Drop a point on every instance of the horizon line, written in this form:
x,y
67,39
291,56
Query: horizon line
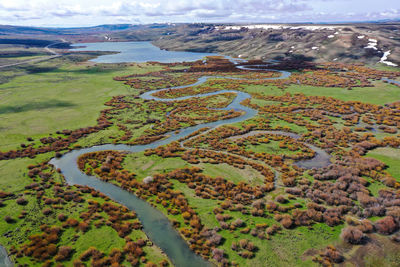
x,y
209,23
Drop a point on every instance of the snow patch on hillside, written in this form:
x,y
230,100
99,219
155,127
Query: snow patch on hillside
x,y
372,44
278,27
384,59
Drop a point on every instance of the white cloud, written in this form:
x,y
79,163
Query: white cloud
x,y
148,11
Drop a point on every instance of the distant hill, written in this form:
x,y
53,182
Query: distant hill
x,y
347,42
8,29
42,36
363,42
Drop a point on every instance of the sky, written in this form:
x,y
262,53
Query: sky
x,y
69,13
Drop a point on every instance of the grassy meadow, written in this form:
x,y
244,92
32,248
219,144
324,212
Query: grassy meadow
x,y
69,96
381,94
68,93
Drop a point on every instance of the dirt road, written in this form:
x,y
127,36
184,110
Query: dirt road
x,y
54,53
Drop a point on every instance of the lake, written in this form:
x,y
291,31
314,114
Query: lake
x,y
137,52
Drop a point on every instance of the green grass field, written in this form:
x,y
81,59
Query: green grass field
x,y
391,157
144,166
381,94
68,97
271,148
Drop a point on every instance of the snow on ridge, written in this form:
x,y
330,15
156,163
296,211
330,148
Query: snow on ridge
x,y
372,44
384,59
360,37
314,27
278,27
331,36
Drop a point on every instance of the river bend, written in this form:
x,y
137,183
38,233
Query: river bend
x,y
155,224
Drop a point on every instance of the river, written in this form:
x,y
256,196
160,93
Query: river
x,y
155,224
4,259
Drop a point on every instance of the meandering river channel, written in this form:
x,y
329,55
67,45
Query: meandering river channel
x,y
155,224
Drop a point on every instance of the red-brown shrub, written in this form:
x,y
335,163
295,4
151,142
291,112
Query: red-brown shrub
x,y
64,252
352,235
386,226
